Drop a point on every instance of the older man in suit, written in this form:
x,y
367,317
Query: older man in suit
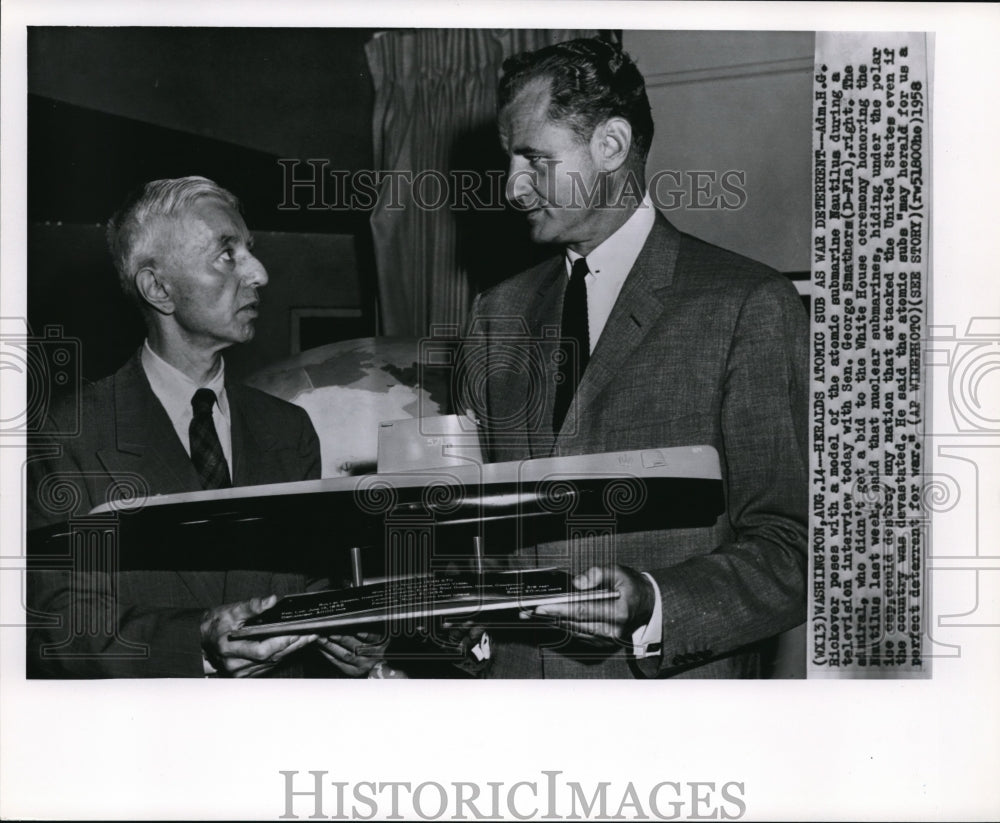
x,y
168,421
666,341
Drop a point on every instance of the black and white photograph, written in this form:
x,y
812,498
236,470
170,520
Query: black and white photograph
x,y
446,345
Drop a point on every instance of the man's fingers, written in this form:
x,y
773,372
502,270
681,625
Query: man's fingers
x,y
350,649
580,610
234,614
343,658
266,649
262,650
590,579
294,646
241,667
593,630
337,653
250,670
257,605
332,646
357,643
597,633
361,645
246,658
588,619
585,624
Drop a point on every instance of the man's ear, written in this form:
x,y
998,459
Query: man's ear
x,y
153,291
611,143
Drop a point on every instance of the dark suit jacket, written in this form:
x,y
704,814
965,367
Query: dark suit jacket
x,y
703,346
127,442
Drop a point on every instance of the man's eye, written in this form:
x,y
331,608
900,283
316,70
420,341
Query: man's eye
x,y
227,255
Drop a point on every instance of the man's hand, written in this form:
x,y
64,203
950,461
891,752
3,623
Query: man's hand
x,y
244,658
605,619
354,655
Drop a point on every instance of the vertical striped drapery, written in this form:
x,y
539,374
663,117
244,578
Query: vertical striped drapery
x,y
432,87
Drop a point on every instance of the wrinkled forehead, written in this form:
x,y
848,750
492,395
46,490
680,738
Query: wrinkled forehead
x,y
205,220
198,227
526,114
213,210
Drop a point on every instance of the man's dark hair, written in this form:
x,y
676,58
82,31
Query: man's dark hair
x,y
590,81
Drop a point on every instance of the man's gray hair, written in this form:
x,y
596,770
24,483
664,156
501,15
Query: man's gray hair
x,y
129,232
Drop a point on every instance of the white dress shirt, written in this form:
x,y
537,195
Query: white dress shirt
x,y
174,390
609,265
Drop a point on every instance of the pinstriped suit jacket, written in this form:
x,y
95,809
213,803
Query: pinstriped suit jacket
x,y
125,434
703,346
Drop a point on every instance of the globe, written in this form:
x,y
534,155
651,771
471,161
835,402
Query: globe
x,y
349,388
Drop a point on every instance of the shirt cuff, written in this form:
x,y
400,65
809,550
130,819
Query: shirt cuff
x,y
647,641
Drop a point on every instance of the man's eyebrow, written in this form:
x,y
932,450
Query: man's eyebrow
x,y
234,239
526,150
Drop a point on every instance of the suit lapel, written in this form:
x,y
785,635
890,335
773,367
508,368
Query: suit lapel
x,y
543,324
147,446
248,438
641,301
145,441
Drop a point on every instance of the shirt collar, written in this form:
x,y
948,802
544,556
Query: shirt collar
x,y
174,389
616,255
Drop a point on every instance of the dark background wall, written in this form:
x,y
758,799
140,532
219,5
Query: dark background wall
x,y
741,101
111,108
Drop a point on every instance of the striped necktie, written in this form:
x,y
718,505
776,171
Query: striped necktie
x,y
206,450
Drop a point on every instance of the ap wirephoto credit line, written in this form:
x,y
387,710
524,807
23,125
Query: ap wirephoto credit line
x,y
871,231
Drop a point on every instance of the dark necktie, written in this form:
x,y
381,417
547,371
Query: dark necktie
x,y
206,450
574,329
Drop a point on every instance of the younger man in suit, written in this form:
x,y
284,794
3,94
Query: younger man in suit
x,y
674,342
168,421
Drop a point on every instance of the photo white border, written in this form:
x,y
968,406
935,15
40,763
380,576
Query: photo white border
x,y
815,750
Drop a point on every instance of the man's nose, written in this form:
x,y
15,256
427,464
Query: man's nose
x,y
520,182
254,274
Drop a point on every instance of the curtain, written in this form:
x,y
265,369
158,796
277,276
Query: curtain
x,y
434,113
